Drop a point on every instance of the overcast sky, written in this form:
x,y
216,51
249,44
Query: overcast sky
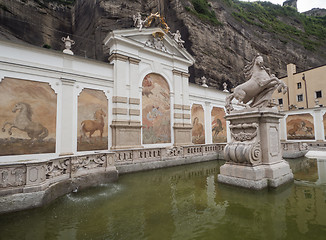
x,y
303,5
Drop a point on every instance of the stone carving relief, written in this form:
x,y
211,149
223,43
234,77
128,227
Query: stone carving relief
x,y
175,151
12,177
87,162
156,43
57,168
243,153
244,147
258,88
244,132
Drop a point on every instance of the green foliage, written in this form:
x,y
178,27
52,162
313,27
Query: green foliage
x,y
46,46
311,31
202,9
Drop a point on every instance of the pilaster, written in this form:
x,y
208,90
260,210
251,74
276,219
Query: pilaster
x,y
67,117
126,124
181,109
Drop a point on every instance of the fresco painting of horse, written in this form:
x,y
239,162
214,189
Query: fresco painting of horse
x,y
300,127
156,111
27,117
218,125
198,124
92,126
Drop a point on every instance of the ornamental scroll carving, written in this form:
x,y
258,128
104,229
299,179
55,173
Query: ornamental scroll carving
x,y
87,162
245,146
175,151
244,132
57,168
243,153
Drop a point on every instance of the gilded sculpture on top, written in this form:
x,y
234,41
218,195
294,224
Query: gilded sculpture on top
x,y
257,91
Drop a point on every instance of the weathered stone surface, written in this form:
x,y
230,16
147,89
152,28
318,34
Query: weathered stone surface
x,y
291,3
220,50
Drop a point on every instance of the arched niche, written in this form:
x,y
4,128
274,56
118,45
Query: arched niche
x,y
219,131
156,110
198,124
28,112
92,120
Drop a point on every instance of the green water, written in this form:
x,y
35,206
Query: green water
x,y
181,203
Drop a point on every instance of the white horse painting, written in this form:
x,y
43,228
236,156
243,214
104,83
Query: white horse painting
x,y
23,122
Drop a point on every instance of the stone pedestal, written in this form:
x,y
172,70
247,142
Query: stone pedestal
x,y
126,135
254,156
182,134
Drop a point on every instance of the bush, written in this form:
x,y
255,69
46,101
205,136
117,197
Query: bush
x,y
269,17
201,8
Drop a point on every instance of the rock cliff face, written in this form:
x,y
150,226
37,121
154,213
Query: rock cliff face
x,y
220,50
316,12
291,3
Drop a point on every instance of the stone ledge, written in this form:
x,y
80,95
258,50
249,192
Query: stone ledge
x,y
246,183
23,201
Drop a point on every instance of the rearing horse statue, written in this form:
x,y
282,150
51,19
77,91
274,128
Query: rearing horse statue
x,y
259,86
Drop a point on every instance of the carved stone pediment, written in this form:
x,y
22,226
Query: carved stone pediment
x,y
149,39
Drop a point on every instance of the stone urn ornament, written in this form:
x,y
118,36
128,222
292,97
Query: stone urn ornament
x,y
68,43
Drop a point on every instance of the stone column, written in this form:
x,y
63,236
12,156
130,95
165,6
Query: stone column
x,y
254,156
181,109
318,125
68,108
208,123
126,127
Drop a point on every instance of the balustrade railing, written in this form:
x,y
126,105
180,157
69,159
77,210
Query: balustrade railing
x,y
124,157
40,174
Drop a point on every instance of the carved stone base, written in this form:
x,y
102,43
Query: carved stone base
x,y
182,134
126,135
256,177
254,154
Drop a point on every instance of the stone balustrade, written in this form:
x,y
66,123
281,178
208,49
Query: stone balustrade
x,y
33,183
151,158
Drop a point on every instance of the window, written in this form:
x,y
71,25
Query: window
x,y
280,101
318,94
300,98
299,85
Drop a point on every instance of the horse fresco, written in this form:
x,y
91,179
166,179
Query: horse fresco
x,y
259,86
90,126
23,122
92,121
218,125
198,124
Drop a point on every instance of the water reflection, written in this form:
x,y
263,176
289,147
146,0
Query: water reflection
x,y
182,203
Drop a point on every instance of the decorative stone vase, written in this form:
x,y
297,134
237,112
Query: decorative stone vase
x,y
254,156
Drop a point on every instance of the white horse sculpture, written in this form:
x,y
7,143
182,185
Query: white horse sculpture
x,y
23,122
259,86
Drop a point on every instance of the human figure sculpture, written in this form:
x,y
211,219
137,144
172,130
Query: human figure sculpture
x,y
138,22
177,38
258,88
